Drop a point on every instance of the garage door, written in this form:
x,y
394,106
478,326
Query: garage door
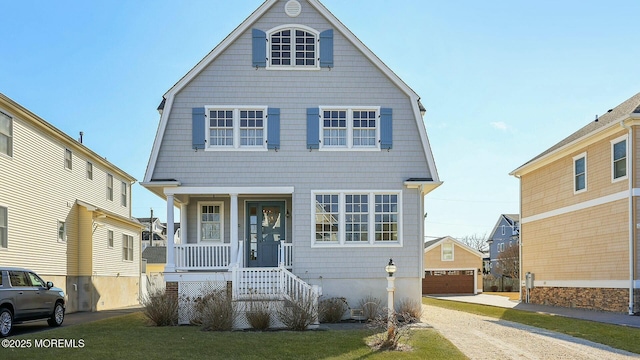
x,y
448,282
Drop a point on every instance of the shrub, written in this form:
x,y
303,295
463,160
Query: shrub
x,y
215,311
508,288
298,314
409,310
331,310
494,288
371,307
395,333
258,314
161,308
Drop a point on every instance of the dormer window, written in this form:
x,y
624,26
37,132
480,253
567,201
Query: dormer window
x,y
293,47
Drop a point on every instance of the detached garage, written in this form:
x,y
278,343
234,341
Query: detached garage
x,y
451,267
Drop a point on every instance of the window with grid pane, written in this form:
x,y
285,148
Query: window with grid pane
x,y
6,134
211,223
364,128
357,218
386,217
293,47
580,173
327,218
334,127
221,128
251,127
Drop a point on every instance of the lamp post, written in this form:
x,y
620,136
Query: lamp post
x,y
390,269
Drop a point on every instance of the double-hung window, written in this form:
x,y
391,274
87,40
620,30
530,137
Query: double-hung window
x,y
62,231
211,221
89,171
237,128
355,218
6,134
110,238
109,187
619,158
68,159
580,173
293,47
123,194
349,128
127,247
4,234
446,251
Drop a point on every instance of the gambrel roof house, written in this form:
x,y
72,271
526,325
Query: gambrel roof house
x,y
295,155
65,212
579,216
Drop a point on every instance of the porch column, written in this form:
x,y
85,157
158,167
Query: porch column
x,y
183,223
171,261
234,229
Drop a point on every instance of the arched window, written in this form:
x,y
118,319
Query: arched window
x,y
293,46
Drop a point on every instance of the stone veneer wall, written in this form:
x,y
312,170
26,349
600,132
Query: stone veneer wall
x,y
607,299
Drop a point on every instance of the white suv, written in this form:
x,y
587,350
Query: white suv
x,y
25,296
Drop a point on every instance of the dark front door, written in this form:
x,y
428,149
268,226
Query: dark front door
x,y
266,226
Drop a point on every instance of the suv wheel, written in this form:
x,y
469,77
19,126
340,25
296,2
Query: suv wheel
x,y
6,322
58,315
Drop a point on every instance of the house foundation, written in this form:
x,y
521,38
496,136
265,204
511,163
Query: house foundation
x,y
605,299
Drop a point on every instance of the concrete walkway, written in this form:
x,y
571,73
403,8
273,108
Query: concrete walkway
x,y
503,301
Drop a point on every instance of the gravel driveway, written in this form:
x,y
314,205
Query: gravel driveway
x,y
481,337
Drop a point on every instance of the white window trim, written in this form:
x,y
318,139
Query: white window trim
x,y
614,142
349,146
293,27
89,166
573,165
442,251
70,167
124,194
110,246
222,219
133,246
342,243
58,231
236,128
6,207
12,136
109,176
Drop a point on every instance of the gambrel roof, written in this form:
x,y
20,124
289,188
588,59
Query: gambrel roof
x,y
168,98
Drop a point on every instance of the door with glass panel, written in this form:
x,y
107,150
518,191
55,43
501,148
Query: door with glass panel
x,y
266,227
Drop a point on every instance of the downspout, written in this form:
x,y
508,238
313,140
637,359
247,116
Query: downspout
x,y
520,243
631,218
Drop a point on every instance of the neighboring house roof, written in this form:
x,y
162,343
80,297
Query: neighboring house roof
x,y
27,116
511,220
430,245
156,236
155,254
167,100
628,109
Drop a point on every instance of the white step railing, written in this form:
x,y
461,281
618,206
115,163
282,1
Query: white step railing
x,y
285,254
202,257
277,283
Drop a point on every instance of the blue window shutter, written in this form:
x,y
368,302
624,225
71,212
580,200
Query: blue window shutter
x,y
313,128
326,48
259,48
197,128
386,128
273,128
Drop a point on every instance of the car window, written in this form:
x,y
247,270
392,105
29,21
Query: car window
x,y
36,281
18,278
1,275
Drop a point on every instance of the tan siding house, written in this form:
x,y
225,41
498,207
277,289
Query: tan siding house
x,y
579,216
451,267
56,212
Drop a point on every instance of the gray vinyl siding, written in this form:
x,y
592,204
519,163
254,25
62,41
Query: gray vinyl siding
x,y
354,81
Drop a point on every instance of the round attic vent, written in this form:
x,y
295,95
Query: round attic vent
x,y
292,8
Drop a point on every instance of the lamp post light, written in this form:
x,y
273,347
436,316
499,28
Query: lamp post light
x,y
390,269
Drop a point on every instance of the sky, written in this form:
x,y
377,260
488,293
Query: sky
x,y
502,80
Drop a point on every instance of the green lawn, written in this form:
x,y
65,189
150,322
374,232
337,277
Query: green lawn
x,y
619,337
130,337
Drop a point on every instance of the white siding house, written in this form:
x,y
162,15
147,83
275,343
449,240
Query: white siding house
x,y
292,149
65,212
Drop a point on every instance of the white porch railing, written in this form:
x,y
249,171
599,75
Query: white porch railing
x,y
218,256
277,283
202,257
285,254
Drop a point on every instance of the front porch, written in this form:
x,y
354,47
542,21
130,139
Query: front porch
x,y
217,257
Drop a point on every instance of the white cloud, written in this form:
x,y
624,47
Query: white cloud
x,y
500,125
